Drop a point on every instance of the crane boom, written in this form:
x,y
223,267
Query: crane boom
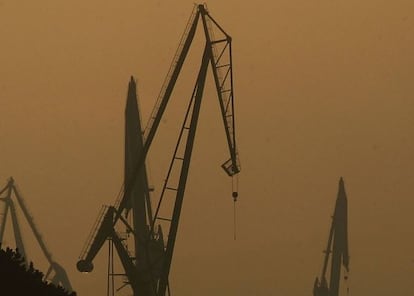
x,y
100,232
197,96
162,102
221,61
224,87
171,77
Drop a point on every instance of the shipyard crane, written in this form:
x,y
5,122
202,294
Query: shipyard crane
x,y
336,250
55,273
147,270
137,207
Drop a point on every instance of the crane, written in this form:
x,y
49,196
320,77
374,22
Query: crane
x,y
137,206
59,274
336,249
148,269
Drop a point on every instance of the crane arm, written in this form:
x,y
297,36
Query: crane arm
x,y
171,78
101,231
105,230
162,102
197,96
224,87
29,219
222,67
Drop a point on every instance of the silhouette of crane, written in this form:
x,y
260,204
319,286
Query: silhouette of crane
x,y
59,274
138,206
147,270
337,248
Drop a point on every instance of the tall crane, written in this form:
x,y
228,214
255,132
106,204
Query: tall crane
x,y
148,270
55,273
137,207
336,249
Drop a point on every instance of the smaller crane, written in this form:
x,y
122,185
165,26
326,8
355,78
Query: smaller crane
x,y
60,277
337,248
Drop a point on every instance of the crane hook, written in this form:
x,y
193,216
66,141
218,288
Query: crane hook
x,y
235,185
235,195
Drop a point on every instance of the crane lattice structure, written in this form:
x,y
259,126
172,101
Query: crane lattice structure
x,y
337,248
55,273
147,270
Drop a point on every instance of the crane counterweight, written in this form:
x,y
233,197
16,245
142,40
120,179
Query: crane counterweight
x,y
84,266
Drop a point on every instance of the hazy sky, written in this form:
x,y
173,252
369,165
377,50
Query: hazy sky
x,y
323,89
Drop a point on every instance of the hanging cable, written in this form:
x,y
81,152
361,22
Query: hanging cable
x,y
234,219
235,195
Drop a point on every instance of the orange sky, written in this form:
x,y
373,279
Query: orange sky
x,y
323,89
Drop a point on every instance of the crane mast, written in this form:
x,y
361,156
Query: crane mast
x,y
136,203
148,270
337,248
